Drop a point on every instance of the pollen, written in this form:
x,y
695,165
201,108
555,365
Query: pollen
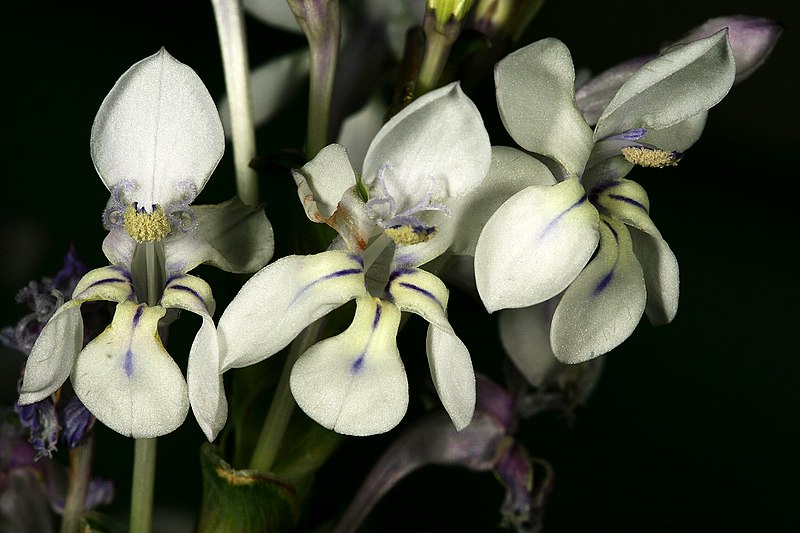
x,y
648,157
144,227
408,235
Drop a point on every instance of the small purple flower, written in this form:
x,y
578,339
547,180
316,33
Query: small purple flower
x,y
76,421
42,421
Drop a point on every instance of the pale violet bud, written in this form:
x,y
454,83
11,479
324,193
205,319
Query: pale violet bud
x,y
751,38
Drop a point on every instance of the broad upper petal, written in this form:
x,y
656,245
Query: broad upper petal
x,y
594,96
684,81
231,236
355,383
602,307
276,304
536,99
439,136
127,380
158,128
661,276
535,245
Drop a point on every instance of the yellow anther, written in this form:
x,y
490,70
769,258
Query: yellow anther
x,y
408,235
647,157
144,227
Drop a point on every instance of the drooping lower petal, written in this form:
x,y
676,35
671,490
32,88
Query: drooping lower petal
x,y
624,200
602,307
525,337
535,245
661,276
203,376
126,378
230,236
424,294
355,383
274,306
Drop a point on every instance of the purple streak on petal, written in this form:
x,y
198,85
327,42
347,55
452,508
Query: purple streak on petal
x,y
422,291
358,363
138,315
400,272
173,277
332,275
630,135
627,200
378,311
191,291
558,217
127,364
604,283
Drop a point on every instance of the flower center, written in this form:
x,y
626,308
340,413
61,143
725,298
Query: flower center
x,y
411,234
650,157
146,227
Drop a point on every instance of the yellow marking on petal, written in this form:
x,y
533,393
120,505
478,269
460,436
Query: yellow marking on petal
x,y
145,227
647,157
408,235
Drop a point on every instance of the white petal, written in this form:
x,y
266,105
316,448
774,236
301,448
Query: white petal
x,y
626,201
355,383
272,85
536,99
322,182
439,136
452,373
53,354
206,390
680,136
360,128
661,275
111,283
525,336
535,245
126,378
686,80
118,247
594,96
159,128
602,307
230,236
274,306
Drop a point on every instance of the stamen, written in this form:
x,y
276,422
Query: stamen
x,y
408,235
145,227
649,157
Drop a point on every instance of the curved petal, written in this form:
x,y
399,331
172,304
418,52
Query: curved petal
x,y
111,283
594,96
118,247
322,182
53,354
602,307
127,380
536,99
231,236
440,137
684,81
158,128
276,304
424,294
525,336
535,245
203,376
510,172
680,136
661,276
625,200
355,383
360,128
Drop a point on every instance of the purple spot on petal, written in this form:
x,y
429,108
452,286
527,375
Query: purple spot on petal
x,y
603,283
358,364
127,364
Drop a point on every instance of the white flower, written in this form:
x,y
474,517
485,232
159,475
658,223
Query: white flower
x,y
538,243
155,141
431,153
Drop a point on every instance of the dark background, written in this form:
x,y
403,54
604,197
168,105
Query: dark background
x,y
692,427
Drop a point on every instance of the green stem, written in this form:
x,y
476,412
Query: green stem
x,y
232,43
280,410
437,50
144,470
80,471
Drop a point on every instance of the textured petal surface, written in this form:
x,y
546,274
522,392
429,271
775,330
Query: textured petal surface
x,y
594,96
274,306
203,376
158,128
111,283
423,293
322,182
624,200
230,236
440,137
355,383
661,276
126,378
686,80
53,354
535,245
536,98
602,307
525,336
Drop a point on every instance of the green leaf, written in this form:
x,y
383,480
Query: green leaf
x,y
243,500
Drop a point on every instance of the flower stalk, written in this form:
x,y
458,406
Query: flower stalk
x,y
80,471
144,471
